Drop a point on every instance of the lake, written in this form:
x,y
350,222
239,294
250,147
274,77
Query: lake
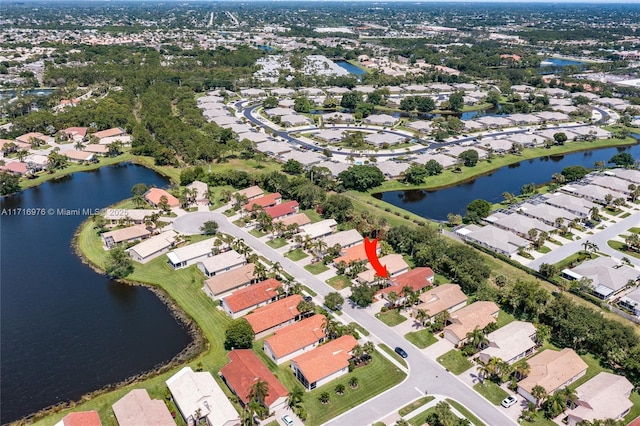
x,y
64,329
557,62
350,67
437,204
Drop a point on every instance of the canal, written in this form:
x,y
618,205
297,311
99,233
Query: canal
x,y
437,204
64,329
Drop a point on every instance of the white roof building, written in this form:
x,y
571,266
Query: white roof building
x,y
152,247
510,343
496,239
606,396
319,229
381,120
189,255
344,239
608,277
222,262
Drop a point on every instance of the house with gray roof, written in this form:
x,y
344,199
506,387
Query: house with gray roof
x,y
392,169
575,205
379,139
190,254
631,301
220,263
153,247
546,213
606,396
630,175
591,192
344,239
607,275
381,120
518,224
510,343
496,239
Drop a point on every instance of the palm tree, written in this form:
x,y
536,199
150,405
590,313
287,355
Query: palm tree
x,y
539,393
484,371
393,298
477,338
357,352
408,292
570,396
353,382
325,397
422,316
521,370
369,348
294,399
594,213
21,155
259,391
589,246
340,389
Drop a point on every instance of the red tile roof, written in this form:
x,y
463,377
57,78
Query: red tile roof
x,y
274,314
115,131
264,201
283,209
82,131
244,369
296,336
253,295
15,167
417,278
82,418
154,195
355,253
326,359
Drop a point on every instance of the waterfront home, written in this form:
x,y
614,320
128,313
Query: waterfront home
x,y
381,120
137,216
224,284
607,276
138,409
79,156
222,262
594,193
496,239
198,396
610,182
266,319
631,301
247,299
394,263
110,133
264,201
606,396
476,315
201,190
547,213
125,235
190,254
295,339
344,239
518,224
153,247
510,343
392,169
81,418
578,206
445,297
96,149
251,193
552,370
630,175
125,140
282,210
15,167
324,363
319,229
243,370
154,197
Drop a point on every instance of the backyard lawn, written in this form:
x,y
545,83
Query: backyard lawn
x,y
339,282
491,391
316,268
296,254
504,318
421,339
392,317
455,362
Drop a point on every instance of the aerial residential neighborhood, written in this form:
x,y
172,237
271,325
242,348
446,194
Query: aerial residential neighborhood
x,y
297,213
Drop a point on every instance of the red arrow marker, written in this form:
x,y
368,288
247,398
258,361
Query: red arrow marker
x,y
370,248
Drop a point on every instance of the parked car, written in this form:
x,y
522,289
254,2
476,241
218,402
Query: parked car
x,y
401,352
508,401
287,420
307,298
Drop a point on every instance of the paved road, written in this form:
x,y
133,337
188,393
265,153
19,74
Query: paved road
x,y
425,374
600,239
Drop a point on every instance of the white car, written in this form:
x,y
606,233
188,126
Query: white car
x,y
508,401
287,420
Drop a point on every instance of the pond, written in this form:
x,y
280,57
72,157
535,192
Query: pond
x,y
350,67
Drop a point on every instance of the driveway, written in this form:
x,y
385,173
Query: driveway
x,y
424,372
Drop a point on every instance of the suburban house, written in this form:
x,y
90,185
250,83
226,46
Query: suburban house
x,y
510,343
223,262
606,396
546,213
134,215
247,299
344,239
476,315
198,396
28,138
79,156
251,193
552,370
394,263
190,254
202,191
15,167
319,229
417,279
125,235
264,201
153,247
594,193
282,210
608,277
138,409
96,149
81,418
518,224
576,205
299,219
110,133
630,175
243,370
496,239
356,253
223,284
381,120
266,319
295,339
445,297
324,363
76,134
631,301
154,195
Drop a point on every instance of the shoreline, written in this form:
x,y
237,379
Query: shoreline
x,y
197,347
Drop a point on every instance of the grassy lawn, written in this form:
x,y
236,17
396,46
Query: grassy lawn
x,y
363,331
421,339
491,391
634,230
593,369
184,288
455,362
415,405
391,317
339,282
277,243
504,318
391,352
635,410
309,291
620,246
466,413
420,419
316,268
312,214
543,249
258,233
296,254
